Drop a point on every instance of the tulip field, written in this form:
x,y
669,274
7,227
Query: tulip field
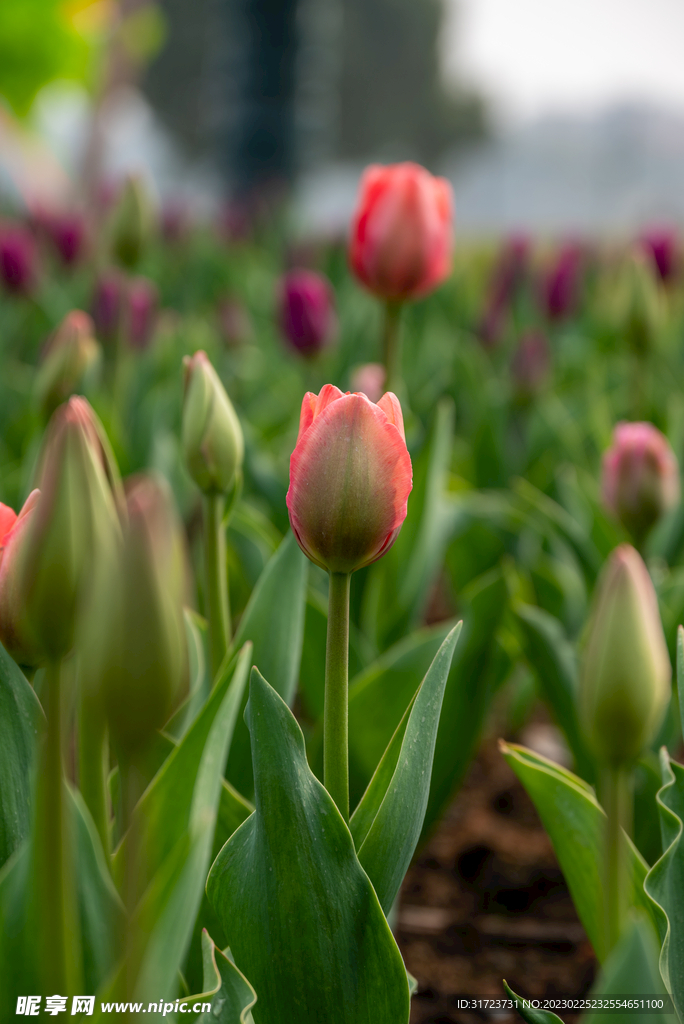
x,y
292,531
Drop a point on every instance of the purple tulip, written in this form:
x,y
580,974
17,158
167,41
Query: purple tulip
x,y
68,233
531,363
17,259
306,311
140,312
661,246
106,305
560,285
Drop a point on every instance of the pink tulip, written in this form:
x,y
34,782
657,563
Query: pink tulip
x,y
350,478
306,311
12,533
140,312
369,379
401,237
640,479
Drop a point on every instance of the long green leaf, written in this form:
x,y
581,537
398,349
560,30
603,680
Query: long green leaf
x,y
552,659
21,721
530,1013
300,914
274,622
386,852
575,821
225,988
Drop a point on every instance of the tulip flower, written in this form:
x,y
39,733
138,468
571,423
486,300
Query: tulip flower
x,y
71,352
401,240
106,304
213,450
137,651
350,478
68,233
401,233
661,246
12,535
131,222
638,305
140,312
531,364
306,311
369,379
623,695
640,479
17,259
560,285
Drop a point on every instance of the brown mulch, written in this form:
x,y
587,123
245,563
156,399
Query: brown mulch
x,y
486,900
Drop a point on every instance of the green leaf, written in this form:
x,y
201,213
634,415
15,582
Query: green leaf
x,y
529,1013
476,670
665,881
386,851
680,672
379,696
274,622
300,914
575,823
21,721
225,987
631,970
552,658
174,825
198,691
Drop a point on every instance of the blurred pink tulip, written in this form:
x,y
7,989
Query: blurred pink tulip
x,y
640,480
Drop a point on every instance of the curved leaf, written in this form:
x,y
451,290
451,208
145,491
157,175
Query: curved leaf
x,y
574,821
386,852
529,1013
225,987
300,914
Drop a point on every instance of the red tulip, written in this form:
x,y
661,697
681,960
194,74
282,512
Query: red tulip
x,y
12,532
640,477
350,478
401,236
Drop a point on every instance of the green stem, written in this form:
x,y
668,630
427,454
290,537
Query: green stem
x,y
132,787
216,576
335,731
617,802
60,952
391,346
93,764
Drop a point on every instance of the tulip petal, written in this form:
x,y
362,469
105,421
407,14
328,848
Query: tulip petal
x,y
390,405
8,518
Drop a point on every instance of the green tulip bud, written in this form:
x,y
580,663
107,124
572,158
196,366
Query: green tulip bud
x,y
638,302
626,672
71,353
73,523
135,654
212,442
131,223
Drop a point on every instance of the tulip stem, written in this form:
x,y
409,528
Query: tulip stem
x,y
56,896
617,800
391,346
93,762
335,715
217,601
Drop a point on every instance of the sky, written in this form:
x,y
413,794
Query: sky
x,y
531,57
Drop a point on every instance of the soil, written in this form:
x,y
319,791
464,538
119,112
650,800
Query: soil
x,y
486,900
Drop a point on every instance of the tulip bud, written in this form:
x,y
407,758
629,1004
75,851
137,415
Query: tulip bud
x,y
306,311
74,520
369,380
350,478
640,480
661,246
212,442
12,535
638,307
70,353
234,322
17,260
135,653
625,677
68,233
131,223
560,285
531,364
106,305
140,312
401,236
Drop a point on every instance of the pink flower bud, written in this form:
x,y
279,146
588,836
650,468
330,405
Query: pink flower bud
x,y
401,237
12,535
350,478
369,379
17,259
640,477
69,357
306,311
67,231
